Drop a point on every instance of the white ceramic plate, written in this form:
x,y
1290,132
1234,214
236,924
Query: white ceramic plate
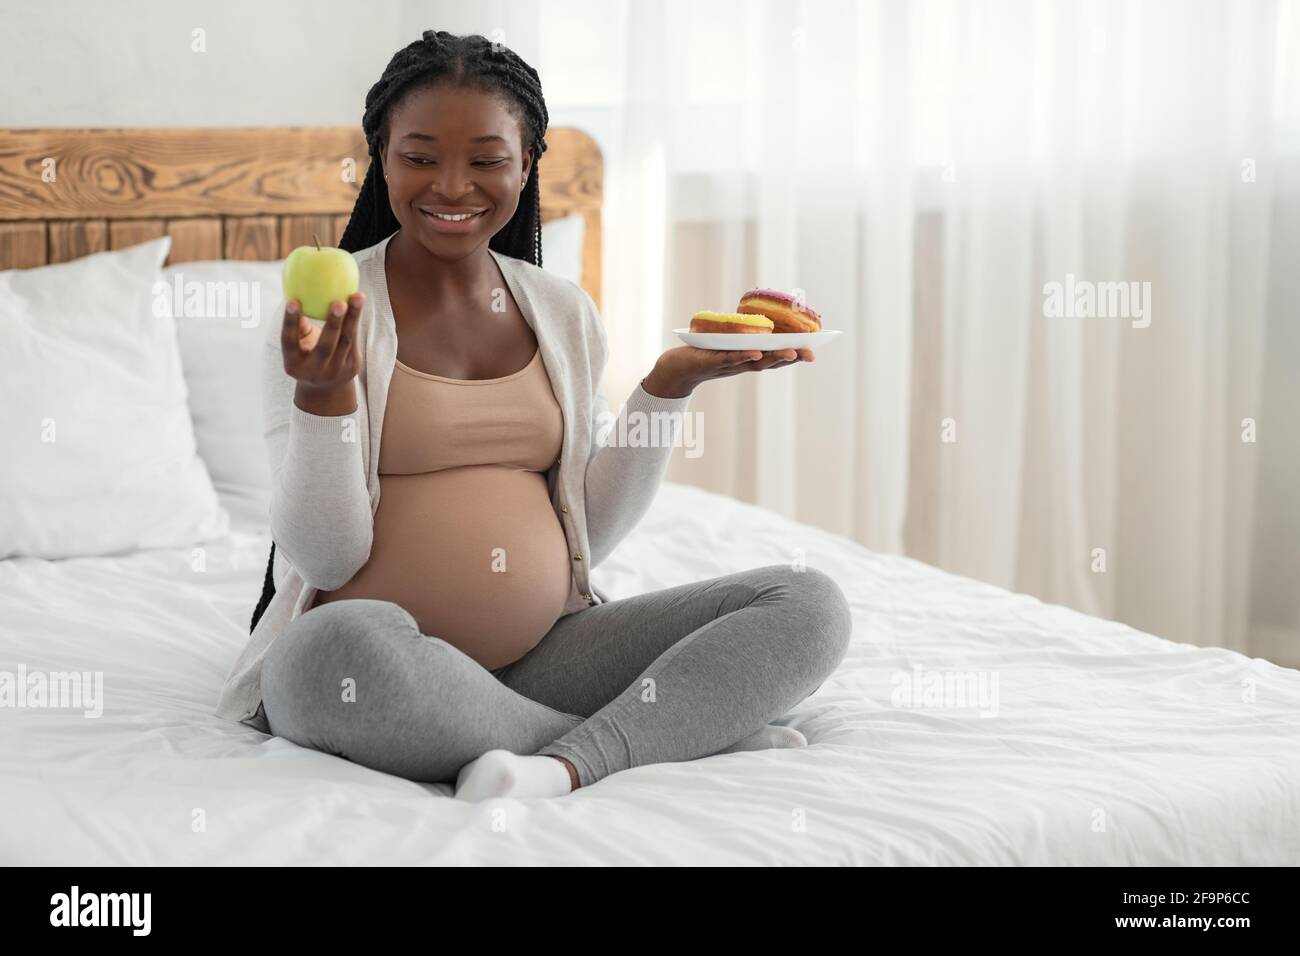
x,y
761,341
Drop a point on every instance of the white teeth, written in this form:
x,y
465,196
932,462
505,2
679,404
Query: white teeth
x,y
460,218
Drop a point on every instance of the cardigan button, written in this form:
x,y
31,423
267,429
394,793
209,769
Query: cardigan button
x,y
577,557
564,508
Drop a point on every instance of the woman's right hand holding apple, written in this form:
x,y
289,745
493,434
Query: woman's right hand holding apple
x,y
323,360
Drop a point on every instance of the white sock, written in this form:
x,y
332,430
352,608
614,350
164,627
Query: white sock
x,y
770,737
499,773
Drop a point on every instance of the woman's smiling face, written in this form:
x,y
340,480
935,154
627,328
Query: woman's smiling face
x,y
458,152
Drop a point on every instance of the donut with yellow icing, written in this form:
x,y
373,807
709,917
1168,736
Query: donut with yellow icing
x,y
787,314
736,322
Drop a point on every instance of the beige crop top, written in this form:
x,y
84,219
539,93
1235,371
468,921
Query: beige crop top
x,y
465,536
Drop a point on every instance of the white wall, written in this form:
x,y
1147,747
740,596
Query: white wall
x,y
267,62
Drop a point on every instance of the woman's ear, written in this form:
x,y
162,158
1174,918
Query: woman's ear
x,y
528,163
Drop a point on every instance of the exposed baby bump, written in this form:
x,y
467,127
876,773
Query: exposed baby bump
x,y
476,554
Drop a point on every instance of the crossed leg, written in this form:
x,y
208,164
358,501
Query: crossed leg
x,y
670,675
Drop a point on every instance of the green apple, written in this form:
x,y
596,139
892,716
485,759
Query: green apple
x,y
318,276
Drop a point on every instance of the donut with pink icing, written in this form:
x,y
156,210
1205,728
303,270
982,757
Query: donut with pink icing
x,y
787,313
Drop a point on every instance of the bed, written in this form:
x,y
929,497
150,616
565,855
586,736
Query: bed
x,y
967,725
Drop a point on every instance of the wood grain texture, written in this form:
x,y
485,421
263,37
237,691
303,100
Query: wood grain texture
x,y
298,231
194,240
179,173
340,224
235,193
252,238
132,232
22,244
572,173
72,239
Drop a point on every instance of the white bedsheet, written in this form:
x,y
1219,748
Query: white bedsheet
x,y
1108,746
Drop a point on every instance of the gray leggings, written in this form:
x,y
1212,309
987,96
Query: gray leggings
x,y
666,676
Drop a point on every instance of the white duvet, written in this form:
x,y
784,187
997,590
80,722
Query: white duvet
x,y
1085,742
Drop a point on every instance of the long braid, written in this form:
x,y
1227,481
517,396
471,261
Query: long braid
x,y
437,57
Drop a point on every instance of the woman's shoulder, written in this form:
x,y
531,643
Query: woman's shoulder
x,y
561,297
548,283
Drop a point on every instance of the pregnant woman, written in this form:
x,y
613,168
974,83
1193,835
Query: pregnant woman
x,y
442,491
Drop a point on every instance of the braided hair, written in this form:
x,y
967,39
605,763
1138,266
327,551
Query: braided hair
x,y
440,57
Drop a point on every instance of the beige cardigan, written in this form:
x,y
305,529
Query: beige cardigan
x,y
325,469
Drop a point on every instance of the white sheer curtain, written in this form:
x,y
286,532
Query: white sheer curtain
x,y
923,171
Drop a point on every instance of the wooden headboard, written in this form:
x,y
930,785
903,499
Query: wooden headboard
x,y
237,193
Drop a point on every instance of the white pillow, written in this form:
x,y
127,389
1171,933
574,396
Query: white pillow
x,y
100,455
562,247
221,310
